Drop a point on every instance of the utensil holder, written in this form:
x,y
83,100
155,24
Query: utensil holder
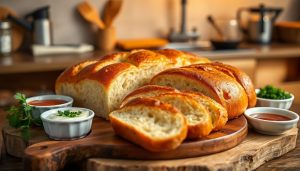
x,y
106,39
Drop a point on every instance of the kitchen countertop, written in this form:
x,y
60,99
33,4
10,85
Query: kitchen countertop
x,y
255,51
24,62
289,161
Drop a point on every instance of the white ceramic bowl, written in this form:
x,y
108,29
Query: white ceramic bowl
x,y
271,127
67,129
38,110
283,104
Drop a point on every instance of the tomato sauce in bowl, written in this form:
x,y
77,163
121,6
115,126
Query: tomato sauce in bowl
x,y
50,102
271,117
271,121
43,103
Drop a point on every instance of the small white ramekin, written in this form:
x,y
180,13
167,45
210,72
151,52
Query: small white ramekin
x,y
38,110
67,130
282,104
271,127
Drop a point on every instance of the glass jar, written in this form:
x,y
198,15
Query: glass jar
x,y
5,38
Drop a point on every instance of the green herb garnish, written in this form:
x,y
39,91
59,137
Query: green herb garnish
x,y
270,92
69,114
20,116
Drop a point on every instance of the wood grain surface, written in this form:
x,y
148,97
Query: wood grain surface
x,y
256,150
15,144
102,142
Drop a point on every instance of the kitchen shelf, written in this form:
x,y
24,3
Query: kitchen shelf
x,y
21,62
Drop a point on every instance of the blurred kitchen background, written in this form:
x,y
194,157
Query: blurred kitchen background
x,y
66,36
144,18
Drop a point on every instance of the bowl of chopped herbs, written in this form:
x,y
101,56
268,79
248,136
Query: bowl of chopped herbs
x,y
270,96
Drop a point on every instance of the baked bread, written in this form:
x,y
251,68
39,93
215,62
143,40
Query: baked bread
x,y
198,119
147,91
217,112
239,76
102,84
154,125
209,81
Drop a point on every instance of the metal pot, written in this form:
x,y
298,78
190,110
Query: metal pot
x,y
260,23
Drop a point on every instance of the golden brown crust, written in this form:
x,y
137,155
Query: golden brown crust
x,y
176,55
143,91
69,75
192,75
152,102
221,115
241,77
146,57
198,130
118,57
156,145
223,88
93,68
107,74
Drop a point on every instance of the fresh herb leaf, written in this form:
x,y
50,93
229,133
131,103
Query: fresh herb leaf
x,y
20,116
68,113
270,92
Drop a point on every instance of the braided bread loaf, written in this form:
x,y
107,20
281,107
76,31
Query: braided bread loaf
x,y
102,84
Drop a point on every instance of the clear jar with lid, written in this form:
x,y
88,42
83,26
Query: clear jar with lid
x,y
5,38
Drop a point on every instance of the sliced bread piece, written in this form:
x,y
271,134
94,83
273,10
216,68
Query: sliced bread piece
x,y
198,118
152,124
147,91
217,111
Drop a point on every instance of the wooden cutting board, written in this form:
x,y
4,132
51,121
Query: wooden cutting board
x,y
102,142
254,151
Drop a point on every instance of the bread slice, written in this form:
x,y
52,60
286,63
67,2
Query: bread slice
x,y
102,84
211,82
240,77
154,125
218,113
147,91
198,118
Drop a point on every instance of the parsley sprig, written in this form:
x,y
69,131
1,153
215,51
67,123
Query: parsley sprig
x,y
20,116
68,113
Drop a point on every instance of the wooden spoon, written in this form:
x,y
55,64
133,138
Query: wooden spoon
x,y
89,13
111,10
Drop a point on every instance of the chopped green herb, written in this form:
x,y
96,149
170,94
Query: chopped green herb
x,y
270,92
68,113
20,116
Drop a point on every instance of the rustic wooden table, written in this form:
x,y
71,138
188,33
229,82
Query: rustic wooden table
x,y
289,161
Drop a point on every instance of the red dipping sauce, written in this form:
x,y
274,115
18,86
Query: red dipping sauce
x,y
47,102
271,117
